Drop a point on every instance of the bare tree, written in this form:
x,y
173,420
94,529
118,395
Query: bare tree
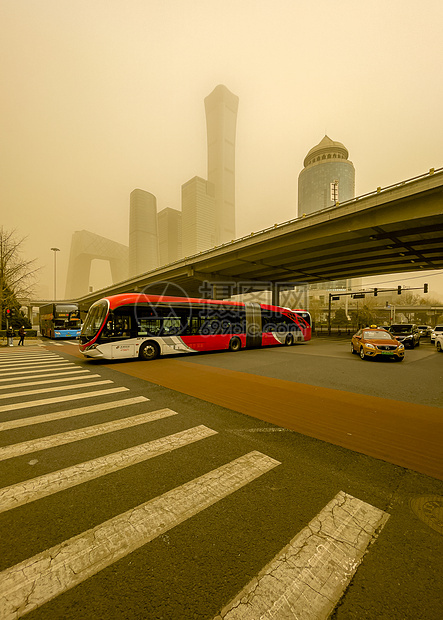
x,y
17,276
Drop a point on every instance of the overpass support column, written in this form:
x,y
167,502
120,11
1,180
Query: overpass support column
x,y
275,295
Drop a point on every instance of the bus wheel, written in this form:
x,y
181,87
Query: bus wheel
x,y
289,340
235,344
149,351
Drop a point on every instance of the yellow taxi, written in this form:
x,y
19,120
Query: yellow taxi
x,y
376,342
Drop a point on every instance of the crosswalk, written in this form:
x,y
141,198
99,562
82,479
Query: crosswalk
x,y
49,573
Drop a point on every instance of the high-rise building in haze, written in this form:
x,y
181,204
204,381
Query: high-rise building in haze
x,y
221,119
327,177
169,235
143,237
198,216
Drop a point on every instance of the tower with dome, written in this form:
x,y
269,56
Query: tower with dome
x,y
328,177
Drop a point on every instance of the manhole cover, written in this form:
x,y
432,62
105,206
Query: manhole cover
x,y
429,509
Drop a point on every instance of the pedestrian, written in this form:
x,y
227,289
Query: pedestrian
x,y
10,336
21,333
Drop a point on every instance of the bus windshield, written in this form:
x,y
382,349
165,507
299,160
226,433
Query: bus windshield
x,y
94,320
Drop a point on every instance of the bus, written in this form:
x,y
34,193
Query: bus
x,y
133,325
60,320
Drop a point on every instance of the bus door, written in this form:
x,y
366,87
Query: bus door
x,y
121,345
253,325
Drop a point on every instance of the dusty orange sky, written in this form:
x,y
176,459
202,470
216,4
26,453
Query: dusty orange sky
x,y
103,96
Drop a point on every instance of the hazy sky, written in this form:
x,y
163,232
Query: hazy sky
x,y
100,97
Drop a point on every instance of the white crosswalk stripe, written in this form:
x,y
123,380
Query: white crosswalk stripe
x,y
13,359
66,373
56,389
75,378
33,582
66,366
305,580
70,413
51,441
27,356
31,364
61,399
31,490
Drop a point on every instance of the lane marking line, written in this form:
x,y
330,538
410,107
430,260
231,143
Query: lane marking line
x,y
61,399
17,385
71,413
65,373
35,581
42,486
308,577
51,441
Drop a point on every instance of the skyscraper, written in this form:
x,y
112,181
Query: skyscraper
x,y
327,177
169,235
143,237
198,216
221,119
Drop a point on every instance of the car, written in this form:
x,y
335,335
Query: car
x,y
406,333
436,330
425,330
375,342
439,342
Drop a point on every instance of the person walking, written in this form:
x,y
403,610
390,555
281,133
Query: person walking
x,y
21,333
10,336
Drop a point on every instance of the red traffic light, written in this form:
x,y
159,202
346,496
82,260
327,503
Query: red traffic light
x,y
8,311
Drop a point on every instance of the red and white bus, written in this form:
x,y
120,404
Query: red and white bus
x,y
133,325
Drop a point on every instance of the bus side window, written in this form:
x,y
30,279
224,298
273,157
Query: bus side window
x,y
171,326
122,326
193,328
149,327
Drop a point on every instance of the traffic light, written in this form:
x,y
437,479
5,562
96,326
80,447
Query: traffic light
x,y
425,288
375,292
8,313
399,290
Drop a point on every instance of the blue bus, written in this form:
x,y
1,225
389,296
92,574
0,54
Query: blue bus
x,y
60,320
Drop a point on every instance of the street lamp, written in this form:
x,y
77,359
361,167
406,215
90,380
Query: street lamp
x,y
55,250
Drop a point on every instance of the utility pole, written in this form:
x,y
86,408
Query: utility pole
x,y
55,250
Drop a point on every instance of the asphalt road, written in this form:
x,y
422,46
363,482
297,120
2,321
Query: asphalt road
x,y
193,569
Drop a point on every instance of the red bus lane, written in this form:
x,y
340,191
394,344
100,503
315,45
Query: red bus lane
x,y
401,433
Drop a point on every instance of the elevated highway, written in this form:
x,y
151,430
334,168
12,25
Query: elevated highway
x,y
396,229
392,230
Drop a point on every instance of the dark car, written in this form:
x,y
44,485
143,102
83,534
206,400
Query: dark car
x,y
406,333
425,330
